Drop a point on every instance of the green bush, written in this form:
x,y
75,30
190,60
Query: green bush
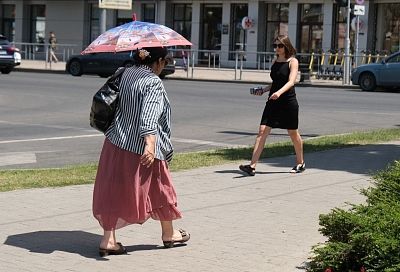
x,y
367,235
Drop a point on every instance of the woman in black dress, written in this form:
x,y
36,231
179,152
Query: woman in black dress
x,y
281,109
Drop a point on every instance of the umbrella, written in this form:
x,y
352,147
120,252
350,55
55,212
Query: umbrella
x,y
133,35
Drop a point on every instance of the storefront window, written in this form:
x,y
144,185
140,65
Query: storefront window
x,y
8,21
311,28
391,27
277,23
182,20
238,34
340,26
38,23
211,26
94,21
149,13
124,16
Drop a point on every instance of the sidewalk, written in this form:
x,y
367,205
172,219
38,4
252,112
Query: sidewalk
x,y
265,223
199,74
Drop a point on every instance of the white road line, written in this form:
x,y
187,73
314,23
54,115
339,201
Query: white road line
x,y
51,138
179,140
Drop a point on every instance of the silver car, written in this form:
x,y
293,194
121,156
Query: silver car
x,y
383,74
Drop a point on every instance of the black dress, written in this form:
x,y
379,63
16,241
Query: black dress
x,y
284,111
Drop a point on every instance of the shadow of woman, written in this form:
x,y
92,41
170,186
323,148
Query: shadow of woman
x,y
77,242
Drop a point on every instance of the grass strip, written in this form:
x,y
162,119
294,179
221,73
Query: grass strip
x,y
85,174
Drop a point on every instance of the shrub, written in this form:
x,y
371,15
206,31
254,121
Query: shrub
x,y
365,236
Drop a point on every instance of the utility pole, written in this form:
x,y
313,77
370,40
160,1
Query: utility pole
x,y
102,20
347,67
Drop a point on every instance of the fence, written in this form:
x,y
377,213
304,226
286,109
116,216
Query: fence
x,y
320,65
40,51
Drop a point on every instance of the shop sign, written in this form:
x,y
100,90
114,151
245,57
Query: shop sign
x,y
115,4
247,22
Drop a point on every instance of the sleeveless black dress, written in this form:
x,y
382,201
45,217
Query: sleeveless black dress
x,y
283,112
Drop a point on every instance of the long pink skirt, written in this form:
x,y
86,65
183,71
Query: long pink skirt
x,y
126,192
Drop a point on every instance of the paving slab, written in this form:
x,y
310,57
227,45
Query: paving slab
x,y
268,222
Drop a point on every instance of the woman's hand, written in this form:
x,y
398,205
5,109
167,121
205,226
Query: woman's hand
x,y
275,96
147,158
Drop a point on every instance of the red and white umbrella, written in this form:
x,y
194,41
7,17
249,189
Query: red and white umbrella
x,y
133,35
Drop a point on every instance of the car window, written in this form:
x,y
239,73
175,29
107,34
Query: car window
x,y
4,41
395,59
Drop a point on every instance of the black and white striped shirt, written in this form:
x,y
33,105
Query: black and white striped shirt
x,y
143,109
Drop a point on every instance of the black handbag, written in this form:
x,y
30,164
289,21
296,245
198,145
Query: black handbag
x,y
105,101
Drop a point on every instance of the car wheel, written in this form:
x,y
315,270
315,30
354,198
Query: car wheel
x,y
367,82
75,68
6,70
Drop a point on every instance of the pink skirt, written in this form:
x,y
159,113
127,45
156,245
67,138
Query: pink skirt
x,y
126,192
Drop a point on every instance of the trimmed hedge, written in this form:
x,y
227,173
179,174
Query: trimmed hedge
x,y
367,236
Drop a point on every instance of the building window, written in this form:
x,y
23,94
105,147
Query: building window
x,y
94,21
38,23
182,20
211,20
310,28
123,16
390,34
340,26
238,34
149,13
8,21
277,23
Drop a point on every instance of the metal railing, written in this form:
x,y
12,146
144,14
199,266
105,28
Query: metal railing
x,y
40,51
327,65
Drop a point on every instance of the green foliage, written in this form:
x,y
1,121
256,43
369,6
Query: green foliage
x,y
367,235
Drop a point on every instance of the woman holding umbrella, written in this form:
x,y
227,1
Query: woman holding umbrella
x,y
133,182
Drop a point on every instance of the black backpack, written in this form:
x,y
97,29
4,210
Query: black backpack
x,y
105,101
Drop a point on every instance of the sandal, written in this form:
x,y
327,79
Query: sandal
x,y
301,167
105,252
185,238
248,169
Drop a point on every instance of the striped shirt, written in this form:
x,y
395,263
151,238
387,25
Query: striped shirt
x,y
143,109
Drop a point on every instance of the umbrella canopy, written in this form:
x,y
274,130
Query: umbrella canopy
x,y
133,35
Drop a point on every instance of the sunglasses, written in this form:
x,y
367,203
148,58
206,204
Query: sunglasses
x,y
279,45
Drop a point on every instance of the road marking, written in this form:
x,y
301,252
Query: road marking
x,y
50,138
17,158
179,140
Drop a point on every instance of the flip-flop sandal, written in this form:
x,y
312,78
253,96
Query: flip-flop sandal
x,y
105,252
185,238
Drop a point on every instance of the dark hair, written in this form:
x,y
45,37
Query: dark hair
x,y
149,55
289,49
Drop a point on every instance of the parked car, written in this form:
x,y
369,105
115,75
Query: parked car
x,y
9,56
383,74
105,64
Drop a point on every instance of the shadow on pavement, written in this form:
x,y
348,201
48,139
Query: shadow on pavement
x,y
46,242
362,159
78,242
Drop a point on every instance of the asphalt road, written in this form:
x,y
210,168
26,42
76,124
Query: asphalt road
x,y
44,117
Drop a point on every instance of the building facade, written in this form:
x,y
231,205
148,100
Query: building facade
x,y
312,25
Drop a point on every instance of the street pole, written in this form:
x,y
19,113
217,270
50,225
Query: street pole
x,y
357,33
346,77
102,20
